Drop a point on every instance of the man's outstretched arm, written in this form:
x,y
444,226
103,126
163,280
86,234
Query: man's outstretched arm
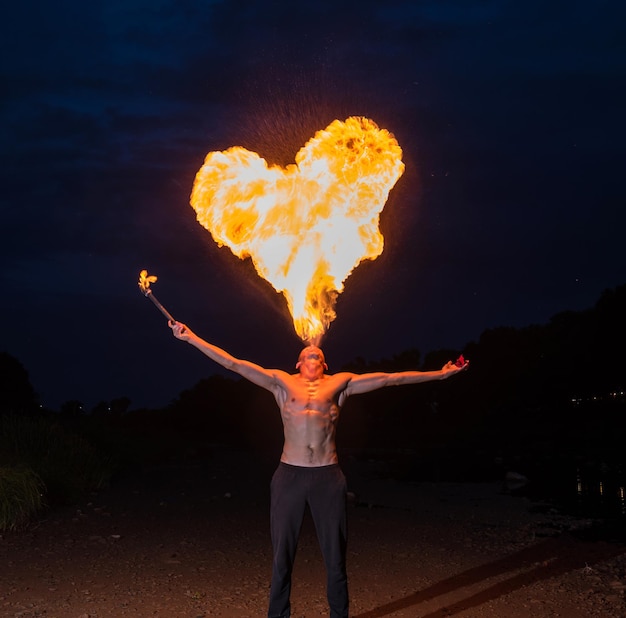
x,y
266,378
367,382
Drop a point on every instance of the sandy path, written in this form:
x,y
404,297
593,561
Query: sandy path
x,y
193,541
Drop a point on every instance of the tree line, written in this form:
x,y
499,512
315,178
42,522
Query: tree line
x,y
542,391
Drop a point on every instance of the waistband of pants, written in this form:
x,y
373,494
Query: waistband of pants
x,y
308,469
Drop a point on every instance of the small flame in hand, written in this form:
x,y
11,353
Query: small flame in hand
x,y
145,280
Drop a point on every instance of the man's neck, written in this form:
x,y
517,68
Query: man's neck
x,y
312,378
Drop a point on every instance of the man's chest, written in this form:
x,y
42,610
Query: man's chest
x,y
320,392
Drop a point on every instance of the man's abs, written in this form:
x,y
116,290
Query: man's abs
x,y
309,437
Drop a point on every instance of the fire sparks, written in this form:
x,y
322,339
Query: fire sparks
x,y
307,226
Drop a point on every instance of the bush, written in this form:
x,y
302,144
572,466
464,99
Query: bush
x,y
20,496
67,464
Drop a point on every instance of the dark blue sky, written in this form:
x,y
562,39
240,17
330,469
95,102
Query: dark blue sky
x,y
511,209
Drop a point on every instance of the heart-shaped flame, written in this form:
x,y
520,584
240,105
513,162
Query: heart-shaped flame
x,y
306,226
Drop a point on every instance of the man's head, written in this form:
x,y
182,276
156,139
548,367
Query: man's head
x,y
311,360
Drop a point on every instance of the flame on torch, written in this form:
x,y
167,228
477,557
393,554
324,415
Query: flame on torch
x,y
307,226
144,285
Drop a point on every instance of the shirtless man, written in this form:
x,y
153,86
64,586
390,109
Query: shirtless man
x,y
308,472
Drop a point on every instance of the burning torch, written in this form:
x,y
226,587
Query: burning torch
x,y
144,285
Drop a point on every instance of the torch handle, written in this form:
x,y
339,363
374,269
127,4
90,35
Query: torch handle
x,y
160,307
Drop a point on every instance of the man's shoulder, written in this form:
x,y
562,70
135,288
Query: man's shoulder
x,y
342,375
284,376
339,380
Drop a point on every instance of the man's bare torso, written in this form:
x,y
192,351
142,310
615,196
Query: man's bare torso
x,y
310,401
310,411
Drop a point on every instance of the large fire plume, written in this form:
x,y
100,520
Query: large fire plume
x,y
308,225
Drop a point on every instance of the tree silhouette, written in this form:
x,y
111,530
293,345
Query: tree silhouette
x,y
16,392
72,409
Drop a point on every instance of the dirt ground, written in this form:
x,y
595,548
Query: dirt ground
x,y
191,541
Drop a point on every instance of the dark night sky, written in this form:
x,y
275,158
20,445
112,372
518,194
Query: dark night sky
x,y
510,115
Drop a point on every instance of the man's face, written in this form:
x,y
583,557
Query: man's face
x,y
311,361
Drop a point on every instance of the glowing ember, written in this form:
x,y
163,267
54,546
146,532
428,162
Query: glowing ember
x,y
306,226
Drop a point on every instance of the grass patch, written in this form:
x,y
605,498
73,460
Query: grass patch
x,y
67,463
21,496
